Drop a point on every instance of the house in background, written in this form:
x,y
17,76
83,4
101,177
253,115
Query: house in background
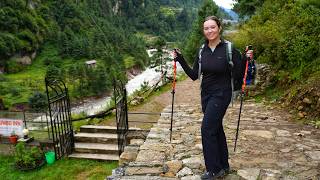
x,y
91,63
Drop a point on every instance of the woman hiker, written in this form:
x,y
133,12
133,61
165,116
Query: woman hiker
x,y
216,95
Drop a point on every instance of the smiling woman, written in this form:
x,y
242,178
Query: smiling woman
x,y
212,68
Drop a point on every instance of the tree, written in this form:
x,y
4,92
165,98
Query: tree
x,y
38,102
246,8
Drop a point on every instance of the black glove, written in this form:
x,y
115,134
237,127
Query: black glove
x,y
179,56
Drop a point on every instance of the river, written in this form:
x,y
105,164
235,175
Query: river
x,y
150,75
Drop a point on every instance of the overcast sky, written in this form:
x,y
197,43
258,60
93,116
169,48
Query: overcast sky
x,y
224,3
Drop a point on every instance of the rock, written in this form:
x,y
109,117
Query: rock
x,y
232,177
299,134
136,142
116,173
127,157
25,60
307,101
150,156
33,55
283,133
259,133
184,172
157,147
306,132
143,171
290,177
270,174
193,162
131,148
179,141
199,146
300,114
194,177
174,166
285,150
301,160
302,147
249,174
300,108
314,155
169,174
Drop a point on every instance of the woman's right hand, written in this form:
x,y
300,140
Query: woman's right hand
x,y
176,54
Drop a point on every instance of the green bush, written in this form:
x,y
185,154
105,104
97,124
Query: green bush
x,y
38,102
27,157
284,34
14,67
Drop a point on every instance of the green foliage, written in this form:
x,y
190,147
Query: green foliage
x,y
14,67
63,169
22,28
38,102
65,33
128,62
27,156
285,34
247,8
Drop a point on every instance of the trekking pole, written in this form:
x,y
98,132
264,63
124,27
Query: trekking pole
x,y
173,92
242,96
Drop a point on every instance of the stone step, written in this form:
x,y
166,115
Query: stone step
x,y
102,129
96,138
96,148
98,129
104,157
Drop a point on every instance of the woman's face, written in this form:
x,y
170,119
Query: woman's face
x,y
211,30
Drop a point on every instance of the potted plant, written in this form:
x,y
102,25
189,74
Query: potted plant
x,y
13,138
28,158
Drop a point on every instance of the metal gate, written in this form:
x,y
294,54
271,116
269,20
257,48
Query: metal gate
x,y
60,117
120,99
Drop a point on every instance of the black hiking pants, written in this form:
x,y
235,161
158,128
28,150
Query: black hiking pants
x,y
215,150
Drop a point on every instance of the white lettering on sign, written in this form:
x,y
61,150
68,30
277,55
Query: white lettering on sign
x,y
9,126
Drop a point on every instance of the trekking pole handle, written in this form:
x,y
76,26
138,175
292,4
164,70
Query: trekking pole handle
x,y
249,56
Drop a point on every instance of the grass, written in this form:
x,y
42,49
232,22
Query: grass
x,y
61,169
18,87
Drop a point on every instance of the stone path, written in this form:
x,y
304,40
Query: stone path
x,y
270,146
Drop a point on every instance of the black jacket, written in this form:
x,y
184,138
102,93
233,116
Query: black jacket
x,y
215,68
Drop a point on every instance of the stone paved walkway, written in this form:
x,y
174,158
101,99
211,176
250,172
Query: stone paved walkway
x,y
270,146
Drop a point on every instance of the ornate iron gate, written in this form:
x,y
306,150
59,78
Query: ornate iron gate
x,y
120,98
60,117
